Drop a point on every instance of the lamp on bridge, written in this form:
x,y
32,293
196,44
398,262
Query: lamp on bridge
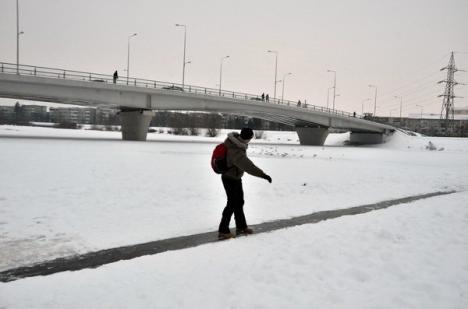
x,y
188,62
362,105
401,103
17,51
375,99
422,108
184,62
328,96
284,82
276,70
221,72
18,33
128,54
334,87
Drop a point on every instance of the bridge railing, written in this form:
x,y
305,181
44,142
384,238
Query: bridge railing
x,y
11,68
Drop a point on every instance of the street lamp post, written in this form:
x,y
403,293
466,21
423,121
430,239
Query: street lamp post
x,y
221,72
284,82
422,108
185,47
188,62
328,96
362,105
334,87
128,54
420,118
401,103
276,70
18,33
375,99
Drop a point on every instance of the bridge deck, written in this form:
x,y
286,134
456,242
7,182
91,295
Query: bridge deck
x,y
85,88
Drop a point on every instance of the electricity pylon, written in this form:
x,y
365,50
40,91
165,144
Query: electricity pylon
x,y
447,112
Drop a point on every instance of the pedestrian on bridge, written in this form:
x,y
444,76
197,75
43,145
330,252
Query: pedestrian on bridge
x,y
116,75
267,97
263,96
237,163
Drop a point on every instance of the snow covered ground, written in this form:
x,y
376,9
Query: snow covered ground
x,y
89,190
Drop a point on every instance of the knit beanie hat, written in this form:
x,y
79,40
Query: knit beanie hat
x,y
246,133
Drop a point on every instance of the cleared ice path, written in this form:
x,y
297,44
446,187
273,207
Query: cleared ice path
x,y
98,258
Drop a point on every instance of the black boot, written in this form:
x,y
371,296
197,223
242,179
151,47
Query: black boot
x,y
244,231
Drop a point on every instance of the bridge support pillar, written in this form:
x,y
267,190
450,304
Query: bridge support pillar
x,y
358,138
312,136
135,124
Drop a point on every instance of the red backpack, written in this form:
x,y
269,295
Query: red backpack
x,y
218,159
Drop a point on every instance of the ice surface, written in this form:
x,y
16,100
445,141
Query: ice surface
x,y
91,191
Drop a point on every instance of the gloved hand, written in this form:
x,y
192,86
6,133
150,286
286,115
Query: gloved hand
x,y
267,178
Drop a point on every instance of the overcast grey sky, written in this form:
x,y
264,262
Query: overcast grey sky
x,y
398,45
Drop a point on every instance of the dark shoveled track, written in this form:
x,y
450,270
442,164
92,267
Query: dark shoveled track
x,y
99,258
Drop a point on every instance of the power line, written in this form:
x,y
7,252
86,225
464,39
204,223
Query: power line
x,y
415,84
428,84
411,91
429,65
424,100
428,87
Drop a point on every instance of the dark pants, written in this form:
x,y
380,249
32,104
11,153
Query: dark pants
x,y
235,204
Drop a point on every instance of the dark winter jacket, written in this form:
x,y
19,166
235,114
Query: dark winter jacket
x,y
237,160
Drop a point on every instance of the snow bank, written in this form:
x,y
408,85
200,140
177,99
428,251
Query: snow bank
x,y
402,141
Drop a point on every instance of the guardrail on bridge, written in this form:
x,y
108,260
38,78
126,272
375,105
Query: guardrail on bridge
x,y
10,68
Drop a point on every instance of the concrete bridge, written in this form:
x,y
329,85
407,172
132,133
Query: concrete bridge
x,y
138,98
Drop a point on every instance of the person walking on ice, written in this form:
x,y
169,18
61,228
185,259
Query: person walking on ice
x,y
237,164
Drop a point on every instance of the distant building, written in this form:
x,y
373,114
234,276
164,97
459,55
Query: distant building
x,y
73,115
34,112
459,114
7,114
432,126
105,115
460,111
23,114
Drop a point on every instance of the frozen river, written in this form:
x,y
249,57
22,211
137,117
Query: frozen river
x,y
91,191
